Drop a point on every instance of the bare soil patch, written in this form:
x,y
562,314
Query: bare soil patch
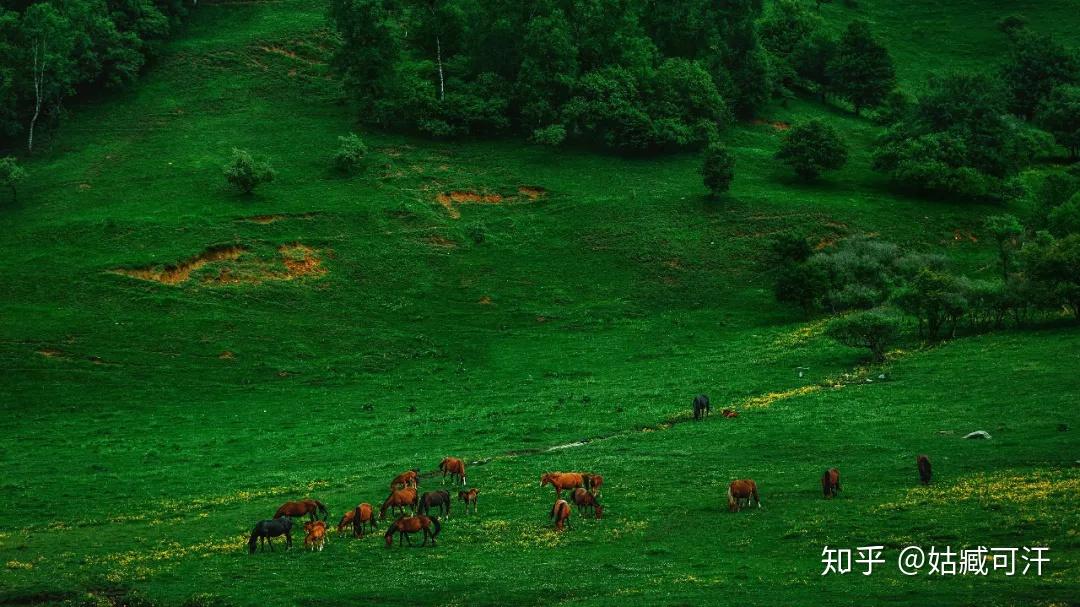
x,y
181,272
532,192
266,219
238,266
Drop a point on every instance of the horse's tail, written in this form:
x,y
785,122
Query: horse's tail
x,y
322,508
438,528
253,540
730,499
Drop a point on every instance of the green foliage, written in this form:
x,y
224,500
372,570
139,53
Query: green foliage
x,y
52,48
1054,264
872,329
245,173
957,139
1036,65
811,59
1059,113
11,173
1006,231
718,169
811,148
611,73
350,154
937,299
1065,218
862,71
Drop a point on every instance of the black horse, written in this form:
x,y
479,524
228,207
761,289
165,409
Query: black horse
x,y
269,529
701,406
441,499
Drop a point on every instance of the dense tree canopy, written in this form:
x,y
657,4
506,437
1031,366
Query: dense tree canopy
x,y
629,76
49,48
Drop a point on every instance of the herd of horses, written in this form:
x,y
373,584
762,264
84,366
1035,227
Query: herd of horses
x,y
427,507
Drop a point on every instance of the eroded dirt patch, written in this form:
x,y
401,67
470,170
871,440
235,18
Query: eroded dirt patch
x,y
452,200
532,192
238,265
441,242
266,219
181,272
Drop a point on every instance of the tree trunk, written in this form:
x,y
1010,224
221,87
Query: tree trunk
x,y
438,57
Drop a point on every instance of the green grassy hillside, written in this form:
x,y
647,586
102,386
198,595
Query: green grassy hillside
x,y
329,332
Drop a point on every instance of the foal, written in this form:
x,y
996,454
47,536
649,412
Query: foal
x,y
586,501
469,497
316,535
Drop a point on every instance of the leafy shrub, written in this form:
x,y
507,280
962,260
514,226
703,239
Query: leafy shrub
x,y
872,329
811,148
552,135
11,174
350,153
718,169
245,173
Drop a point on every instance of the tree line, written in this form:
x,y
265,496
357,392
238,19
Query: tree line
x,y
53,49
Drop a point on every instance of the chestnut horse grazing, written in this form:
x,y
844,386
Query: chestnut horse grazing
x,y
586,501
924,469
560,513
346,520
454,467
437,499
562,480
701,407
592,482
743,489
316,535
469,497
830,482
399,500
265,531
363,513
407,525
302,507
409,478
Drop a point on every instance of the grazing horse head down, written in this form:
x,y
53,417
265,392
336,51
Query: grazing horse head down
x,y
363,513
265,531
406,525
316,535
438,499
742,489
830,482
399,499
924,469
586,500
409,478
453,466
560,513
701,406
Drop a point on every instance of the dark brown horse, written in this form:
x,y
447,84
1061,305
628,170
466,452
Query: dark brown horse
x,y
407,525
702,408
452,466
924,469
560,513
409,478
830,483
743,489
265,532
586,501
436,499
399,500
469,497
302,507
362,514
562,481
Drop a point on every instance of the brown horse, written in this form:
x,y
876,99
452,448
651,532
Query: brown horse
x,y
346,520
586,501
302,507
407,525
562,480
469,497
560,513
452,466
399,500
436,499
743,489
924,469
592,482
830,482
316,535
409,478
363,513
